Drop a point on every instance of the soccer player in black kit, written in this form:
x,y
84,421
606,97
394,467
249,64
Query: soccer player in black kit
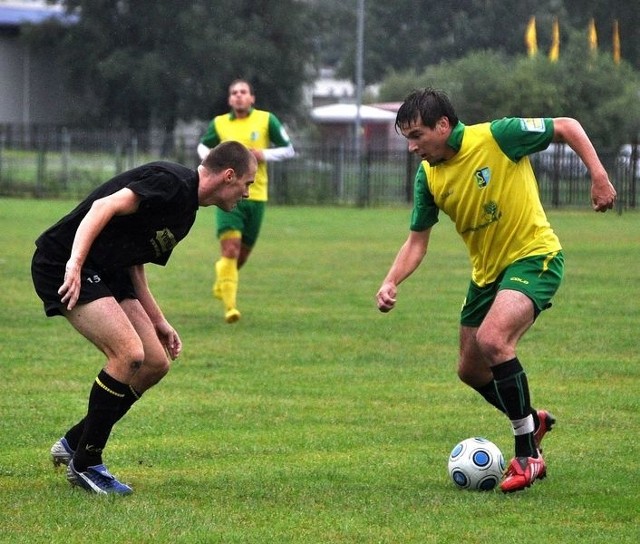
x,y
89,268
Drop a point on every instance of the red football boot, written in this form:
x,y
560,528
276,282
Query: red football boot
x,y
522,472
547,421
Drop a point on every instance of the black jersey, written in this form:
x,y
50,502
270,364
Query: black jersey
x,y
168,204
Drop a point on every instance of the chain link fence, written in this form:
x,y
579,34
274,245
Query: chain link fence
x,y
57,162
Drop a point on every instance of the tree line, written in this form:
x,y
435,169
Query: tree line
x,y
152,62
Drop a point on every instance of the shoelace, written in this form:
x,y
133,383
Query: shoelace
x,y
101,479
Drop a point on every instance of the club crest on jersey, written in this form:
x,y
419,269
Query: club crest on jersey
x,y
483,176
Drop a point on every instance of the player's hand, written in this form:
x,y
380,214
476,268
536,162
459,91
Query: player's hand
x,y
386,296
70,288
170,339
603,194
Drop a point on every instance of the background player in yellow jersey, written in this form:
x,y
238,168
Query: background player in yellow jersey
x,y
238,230
481,177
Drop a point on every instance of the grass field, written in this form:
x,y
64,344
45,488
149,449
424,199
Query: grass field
x,y
316,419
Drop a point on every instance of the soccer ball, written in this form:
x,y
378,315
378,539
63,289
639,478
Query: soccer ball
x,y
476,463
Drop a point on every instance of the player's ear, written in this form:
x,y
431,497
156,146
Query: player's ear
x,y
229,175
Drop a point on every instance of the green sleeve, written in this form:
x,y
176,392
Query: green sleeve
x,y
518,137
425,212
277,134
211,138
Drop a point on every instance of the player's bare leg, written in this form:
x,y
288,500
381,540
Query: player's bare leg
x,y
510,316
155,366
104,323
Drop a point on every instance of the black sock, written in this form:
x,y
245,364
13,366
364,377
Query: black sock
x,y
105,401
513,391
74,433
490,394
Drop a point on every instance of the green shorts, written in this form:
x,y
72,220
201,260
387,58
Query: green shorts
x,y
246,218
538,277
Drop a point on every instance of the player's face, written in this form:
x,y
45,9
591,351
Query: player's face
x,y
227,191
237,189
240,98
429,143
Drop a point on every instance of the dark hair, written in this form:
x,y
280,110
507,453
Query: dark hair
x,y
230,154
427,104
240,80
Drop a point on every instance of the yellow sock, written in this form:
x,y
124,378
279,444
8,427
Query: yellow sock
x,y
227,281
216,282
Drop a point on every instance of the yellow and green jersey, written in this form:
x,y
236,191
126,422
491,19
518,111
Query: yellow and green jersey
x,y
258,130
489,190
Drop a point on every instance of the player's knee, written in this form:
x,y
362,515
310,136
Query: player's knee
x,y
134,362
150,374
156,369
129,356
489,345
135,355
162,369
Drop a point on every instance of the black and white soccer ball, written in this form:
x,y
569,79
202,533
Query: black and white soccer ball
x,y
477,464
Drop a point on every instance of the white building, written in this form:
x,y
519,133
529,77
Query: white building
x,y
30,84
338,123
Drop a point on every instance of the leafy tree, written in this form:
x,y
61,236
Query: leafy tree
x,y
405,34
409,35
486,85
601,94
148,63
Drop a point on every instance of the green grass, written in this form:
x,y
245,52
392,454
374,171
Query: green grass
x,y
60,174
316,419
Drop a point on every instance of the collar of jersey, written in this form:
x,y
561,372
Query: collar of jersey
x,y
232,114
455,138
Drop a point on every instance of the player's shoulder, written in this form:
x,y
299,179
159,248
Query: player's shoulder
x,y
168,168
520,124
222,117
477,128
262,114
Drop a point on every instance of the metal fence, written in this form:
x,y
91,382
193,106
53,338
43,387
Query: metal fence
x,y
54,162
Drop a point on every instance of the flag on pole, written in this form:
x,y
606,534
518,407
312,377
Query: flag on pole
x,y
554,52
530,38
593,36
616,42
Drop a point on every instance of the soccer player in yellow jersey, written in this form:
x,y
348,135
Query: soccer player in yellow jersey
x,y
481,177
238,230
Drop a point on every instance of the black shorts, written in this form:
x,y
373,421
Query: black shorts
x,y
48,276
